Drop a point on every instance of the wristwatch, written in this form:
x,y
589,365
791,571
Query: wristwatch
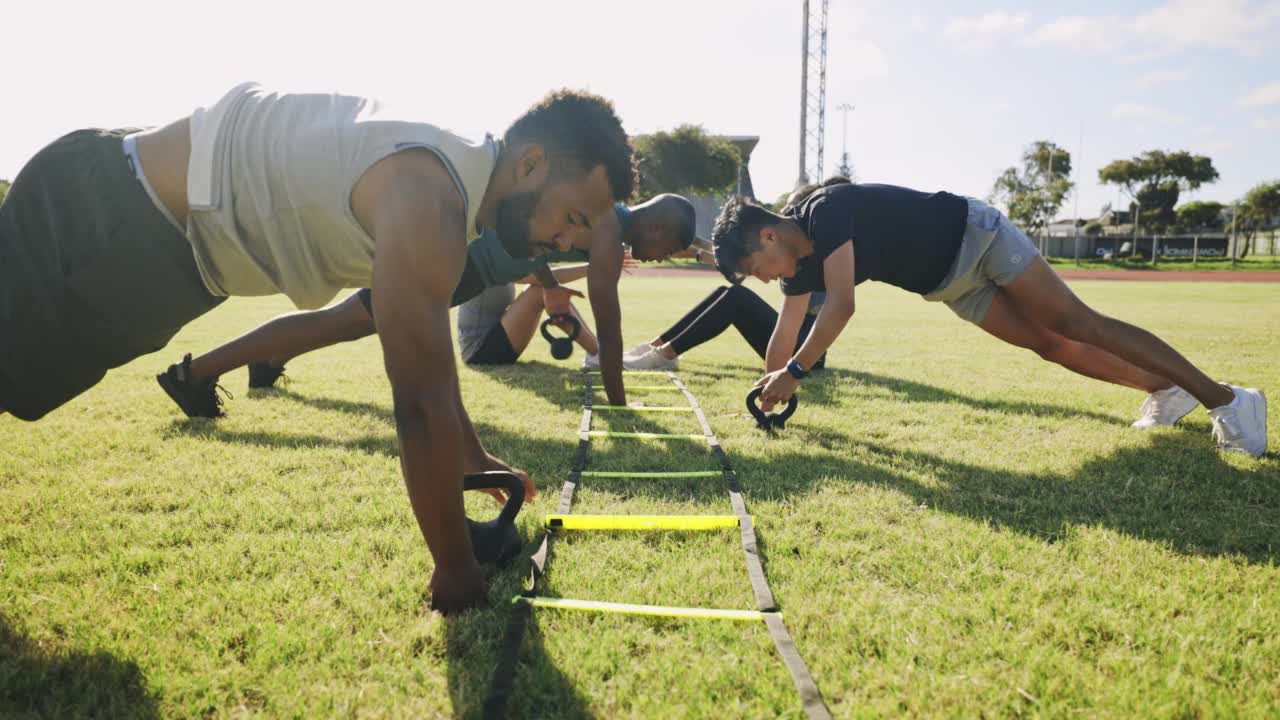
x,y
796,371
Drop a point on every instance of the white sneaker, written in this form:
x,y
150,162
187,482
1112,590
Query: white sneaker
x,y
638,350
1241,426
591,362
652,360
1165,407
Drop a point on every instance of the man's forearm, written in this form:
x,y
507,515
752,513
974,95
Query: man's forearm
x,y
831,321
610,340
778,352
568,273
546,278
432,465
474,456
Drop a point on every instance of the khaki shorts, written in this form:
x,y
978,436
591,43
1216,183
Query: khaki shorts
x,y
993,254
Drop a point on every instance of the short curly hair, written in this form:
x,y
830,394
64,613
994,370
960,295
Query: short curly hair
x,y
582,129
737,235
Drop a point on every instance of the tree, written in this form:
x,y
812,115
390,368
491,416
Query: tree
x,y
1200,215
1093,228
1035,193
1257,211
685,160
1155,179
4,189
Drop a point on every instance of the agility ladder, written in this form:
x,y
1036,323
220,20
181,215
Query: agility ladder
x,y
767,608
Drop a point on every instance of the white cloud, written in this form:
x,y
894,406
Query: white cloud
x,y
1159,77
1144,115
1262,122
993,23
1081,33
869,61
1268,94
1176,25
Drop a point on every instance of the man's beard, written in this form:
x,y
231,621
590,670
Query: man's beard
x,y
514,218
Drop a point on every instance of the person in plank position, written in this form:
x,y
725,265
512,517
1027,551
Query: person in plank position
x,y
966,254
655,230
113,240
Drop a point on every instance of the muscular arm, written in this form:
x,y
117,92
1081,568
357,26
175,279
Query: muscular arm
x,y
838,274
414,211
785,331
602,288
562,275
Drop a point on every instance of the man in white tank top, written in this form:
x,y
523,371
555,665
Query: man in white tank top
x,y
110,247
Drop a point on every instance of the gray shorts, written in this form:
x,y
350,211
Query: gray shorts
x,y
993,254
479,315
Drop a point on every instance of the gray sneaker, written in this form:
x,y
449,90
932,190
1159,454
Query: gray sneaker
x,y
1241,425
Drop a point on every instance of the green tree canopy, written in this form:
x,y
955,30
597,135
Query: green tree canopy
x,y
1156,178
1200,215
1259,210
685,160
1035,192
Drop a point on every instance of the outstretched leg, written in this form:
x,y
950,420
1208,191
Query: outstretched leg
x,y
288,336
1006,322
1041,296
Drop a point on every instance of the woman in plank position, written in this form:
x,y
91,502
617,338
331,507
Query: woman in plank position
x,y
964,253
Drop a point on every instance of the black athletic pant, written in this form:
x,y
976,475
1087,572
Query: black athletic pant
x,y
734,306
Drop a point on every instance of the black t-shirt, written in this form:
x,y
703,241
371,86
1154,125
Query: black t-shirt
x,y
900,236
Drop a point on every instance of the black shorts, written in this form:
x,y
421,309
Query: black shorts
x,y
495,350
92,274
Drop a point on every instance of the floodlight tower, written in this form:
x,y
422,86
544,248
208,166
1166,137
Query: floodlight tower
x,y
813,90
845,170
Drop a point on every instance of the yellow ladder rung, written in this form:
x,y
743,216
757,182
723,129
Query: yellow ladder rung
x,y
641,408
640,522
652,610
646,435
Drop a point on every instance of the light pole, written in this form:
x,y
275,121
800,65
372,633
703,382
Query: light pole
x,y
845,170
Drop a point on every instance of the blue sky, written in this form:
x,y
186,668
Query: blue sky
x,y
946,93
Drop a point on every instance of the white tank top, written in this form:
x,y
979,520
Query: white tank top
x,y
269,187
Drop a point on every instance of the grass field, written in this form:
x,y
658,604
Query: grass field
x,y
952,529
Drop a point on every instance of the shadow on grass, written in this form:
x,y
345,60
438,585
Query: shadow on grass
x,y
475,643
1174,492
37,682
832,385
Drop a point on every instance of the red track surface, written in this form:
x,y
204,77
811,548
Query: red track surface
x,y
1140,275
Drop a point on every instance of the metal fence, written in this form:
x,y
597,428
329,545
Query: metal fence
x,y
1155,248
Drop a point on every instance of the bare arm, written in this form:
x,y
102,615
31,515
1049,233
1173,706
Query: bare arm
x,y
785,331
602,288
838,275
414,211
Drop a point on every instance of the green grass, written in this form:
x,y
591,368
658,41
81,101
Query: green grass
x,y
952,527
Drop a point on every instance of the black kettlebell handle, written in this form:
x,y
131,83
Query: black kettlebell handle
x,y
502,480
561,348
766,421
549,322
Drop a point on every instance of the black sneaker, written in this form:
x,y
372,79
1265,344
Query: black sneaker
x,y
263,374
197,398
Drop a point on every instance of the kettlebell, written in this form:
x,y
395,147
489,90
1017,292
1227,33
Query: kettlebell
x,y
561,348
496,541
770,421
